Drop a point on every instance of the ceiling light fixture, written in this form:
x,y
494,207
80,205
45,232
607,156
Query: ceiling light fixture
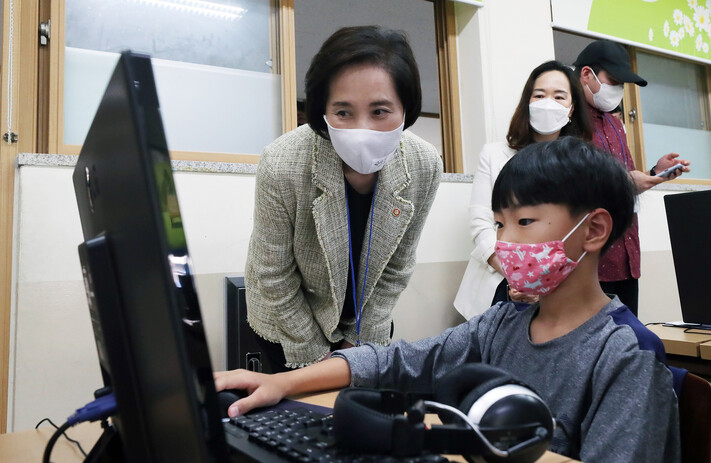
x,y
209,9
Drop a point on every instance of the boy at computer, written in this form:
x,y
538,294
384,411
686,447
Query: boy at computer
x,y
558,205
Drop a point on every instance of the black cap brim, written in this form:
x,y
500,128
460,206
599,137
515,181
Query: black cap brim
x,y
623,74
612,57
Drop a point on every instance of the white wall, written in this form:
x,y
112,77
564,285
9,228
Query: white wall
x,y
498,47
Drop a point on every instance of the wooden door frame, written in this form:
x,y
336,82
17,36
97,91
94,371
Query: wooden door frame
x,y
23,122
448,73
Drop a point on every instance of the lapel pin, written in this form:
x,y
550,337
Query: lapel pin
x,y
396,212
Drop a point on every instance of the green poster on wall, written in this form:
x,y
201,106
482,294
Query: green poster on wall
x,y
679,26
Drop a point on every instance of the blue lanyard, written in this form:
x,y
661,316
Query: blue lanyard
x,y
358,308
608,147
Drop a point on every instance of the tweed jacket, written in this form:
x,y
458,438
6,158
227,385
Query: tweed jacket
x,y
297,263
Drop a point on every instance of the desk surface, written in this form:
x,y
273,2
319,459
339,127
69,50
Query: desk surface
x,y
680,341
705,350
24,446
686,348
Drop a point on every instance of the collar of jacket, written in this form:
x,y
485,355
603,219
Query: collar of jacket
x,y
392,215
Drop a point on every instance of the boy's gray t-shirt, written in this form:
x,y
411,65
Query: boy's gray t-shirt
x,y
605,382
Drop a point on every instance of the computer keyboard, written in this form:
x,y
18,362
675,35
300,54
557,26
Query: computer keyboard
x,y
297,435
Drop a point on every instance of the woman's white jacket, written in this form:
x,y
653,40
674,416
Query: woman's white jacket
x,y
480,279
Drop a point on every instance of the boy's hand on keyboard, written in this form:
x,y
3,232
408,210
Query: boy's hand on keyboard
x,y
264,390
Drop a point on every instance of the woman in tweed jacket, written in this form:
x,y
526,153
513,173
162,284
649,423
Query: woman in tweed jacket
x,y
312,206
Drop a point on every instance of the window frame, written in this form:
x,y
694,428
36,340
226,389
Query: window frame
x,y
632,100
50,133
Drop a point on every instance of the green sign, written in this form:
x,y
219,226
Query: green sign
x,y
680,26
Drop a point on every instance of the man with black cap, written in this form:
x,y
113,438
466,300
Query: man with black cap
x,y
603,68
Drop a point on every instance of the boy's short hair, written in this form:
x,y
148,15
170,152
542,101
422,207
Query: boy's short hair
x,y
571,173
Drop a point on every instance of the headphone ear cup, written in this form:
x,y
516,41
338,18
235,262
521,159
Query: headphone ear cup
x,y
501,406
470,399
373,421
465,381
508,415
362,406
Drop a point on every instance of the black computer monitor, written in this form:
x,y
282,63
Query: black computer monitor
x,y
689,222
144,307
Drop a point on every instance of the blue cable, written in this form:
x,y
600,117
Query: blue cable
x,y
99,409
356,308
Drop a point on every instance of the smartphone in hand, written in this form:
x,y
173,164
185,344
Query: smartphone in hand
x,y
666,173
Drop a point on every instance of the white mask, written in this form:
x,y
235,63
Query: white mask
x,y
547,116
608,97
364,150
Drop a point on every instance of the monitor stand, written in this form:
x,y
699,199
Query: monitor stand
x,y
100,285
699,327
108,448
692,326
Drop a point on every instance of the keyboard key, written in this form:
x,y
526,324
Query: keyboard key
x,y
311,422
308,450
271,443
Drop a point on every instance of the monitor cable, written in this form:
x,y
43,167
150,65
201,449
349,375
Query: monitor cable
x,y
73,441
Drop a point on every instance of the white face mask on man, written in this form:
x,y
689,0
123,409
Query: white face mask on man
x,y
608,97
547,116
364,150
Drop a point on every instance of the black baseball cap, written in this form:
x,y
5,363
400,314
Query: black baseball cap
x,y
612,57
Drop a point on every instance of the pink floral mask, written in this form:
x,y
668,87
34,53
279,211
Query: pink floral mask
x,y
539,268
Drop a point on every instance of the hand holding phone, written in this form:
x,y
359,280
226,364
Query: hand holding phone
x,y
666,173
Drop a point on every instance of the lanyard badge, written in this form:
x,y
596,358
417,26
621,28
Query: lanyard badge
x,y
358,308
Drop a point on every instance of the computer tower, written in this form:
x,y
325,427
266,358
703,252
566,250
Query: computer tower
x,y
243,351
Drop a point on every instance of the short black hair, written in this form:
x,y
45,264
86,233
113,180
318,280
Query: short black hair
x,y
357,45
596,68
520,131
568,172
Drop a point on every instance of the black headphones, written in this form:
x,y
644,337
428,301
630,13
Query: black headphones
x,y
485,413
